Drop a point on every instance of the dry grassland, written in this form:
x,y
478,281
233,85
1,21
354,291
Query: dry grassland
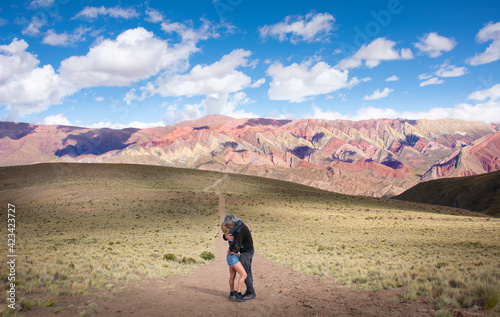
x,y
445,256
80,228
94,226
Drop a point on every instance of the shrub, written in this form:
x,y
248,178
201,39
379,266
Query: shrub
x,y
169,257
49,301
485,292
444,313
207,256
188,260
465,301
27,304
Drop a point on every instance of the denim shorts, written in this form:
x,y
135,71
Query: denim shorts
x,y
232,259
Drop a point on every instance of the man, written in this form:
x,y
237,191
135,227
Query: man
x,y
243,243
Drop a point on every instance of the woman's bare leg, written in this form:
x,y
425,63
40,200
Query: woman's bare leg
x,y
238,267
232,275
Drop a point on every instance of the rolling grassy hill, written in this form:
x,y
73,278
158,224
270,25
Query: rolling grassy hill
x,y
82,228
479,193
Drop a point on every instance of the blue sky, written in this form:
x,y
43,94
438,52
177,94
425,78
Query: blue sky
x,y
146,64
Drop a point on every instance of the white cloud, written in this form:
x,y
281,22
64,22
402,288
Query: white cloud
x,y
26,88
434,44
450,71
145,125
132,96
309,28
14,60
189,112
445,71
58,119
492,93
180,52
234,100
377,94
219,77
431,81
91,13
392,78
258,83
406,53
205,31
424,76
298,81
136,54
490,32
217,103
362,114
355,80
226,104
65,39
154,16
99,99
34,27
54,39
35,91
36,4
374,53
485,112
119,126
221,83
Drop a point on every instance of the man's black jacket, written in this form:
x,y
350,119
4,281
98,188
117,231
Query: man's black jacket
x,y
242,238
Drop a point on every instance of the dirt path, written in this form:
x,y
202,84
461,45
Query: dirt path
x,y
217,182
280,292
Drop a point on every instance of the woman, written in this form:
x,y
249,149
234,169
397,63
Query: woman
x,y
233,260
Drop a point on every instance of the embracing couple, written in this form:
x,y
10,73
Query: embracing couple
x,y
239,257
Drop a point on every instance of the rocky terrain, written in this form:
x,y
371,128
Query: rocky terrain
x,y
481,157
380,158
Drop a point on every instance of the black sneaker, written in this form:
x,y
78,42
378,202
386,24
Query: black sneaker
x,y
239,298
249,296
232,295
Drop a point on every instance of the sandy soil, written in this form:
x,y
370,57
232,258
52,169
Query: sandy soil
x,y
280,292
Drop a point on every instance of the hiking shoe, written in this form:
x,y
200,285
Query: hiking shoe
x,y
249,296
232,295
239,298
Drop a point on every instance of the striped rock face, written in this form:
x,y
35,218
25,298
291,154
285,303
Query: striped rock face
x,y
379,158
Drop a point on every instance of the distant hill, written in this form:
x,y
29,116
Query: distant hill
x,y
483,156
90,187
379,158
479,193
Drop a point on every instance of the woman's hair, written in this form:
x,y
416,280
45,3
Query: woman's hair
x,y
224,229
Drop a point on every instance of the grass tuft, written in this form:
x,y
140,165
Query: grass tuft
x,y
207,256
170,257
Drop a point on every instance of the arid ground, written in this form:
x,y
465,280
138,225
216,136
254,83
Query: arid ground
x,y
94,240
